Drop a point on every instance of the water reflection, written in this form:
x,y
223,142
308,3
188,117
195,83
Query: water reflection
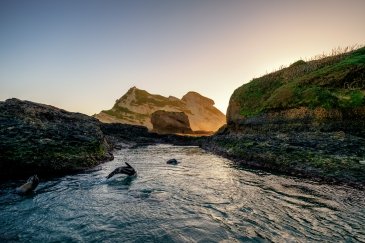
x,y
205,198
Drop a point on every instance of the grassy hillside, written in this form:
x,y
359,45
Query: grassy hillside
x,y
125,114
331,82
142,97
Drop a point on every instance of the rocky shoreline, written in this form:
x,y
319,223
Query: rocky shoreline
x,y
44,140
320,144
48,141
334,158
307,120
331,156
131,136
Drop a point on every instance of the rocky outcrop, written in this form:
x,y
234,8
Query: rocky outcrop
x,y
320,91
204,116
137,106
299,119
37,138
307,119
326,156
170,122
130,136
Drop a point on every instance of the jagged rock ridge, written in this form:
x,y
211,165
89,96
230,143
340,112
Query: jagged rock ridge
x,y
136,107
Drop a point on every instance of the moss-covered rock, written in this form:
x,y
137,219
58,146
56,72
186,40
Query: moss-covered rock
x,y
330,156
169,122
307,119
335,82
37,138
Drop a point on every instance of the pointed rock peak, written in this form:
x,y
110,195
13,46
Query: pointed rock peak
x,y
136,96
131,90
194,96
136,90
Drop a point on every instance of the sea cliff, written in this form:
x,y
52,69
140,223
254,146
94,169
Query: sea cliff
x,y
307,120
137,106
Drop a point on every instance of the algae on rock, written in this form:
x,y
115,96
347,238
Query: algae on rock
x,y
37,138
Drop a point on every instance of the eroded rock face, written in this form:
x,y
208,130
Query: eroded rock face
x,y
37,138
307,119
300,119
170,122
323,95
204,116
136,107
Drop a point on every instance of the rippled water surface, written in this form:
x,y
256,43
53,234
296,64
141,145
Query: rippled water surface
x,y
205,198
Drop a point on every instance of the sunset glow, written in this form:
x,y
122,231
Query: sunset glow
x,y
83,55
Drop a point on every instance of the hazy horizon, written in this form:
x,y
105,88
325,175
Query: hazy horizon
x,y
83,55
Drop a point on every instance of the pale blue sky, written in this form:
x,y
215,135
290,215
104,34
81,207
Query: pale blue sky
x,y
83,55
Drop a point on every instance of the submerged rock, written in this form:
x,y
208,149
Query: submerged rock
x,y
172,162
126,170
38,138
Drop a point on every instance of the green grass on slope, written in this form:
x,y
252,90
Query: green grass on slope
x,y
124,113
331,82
142,97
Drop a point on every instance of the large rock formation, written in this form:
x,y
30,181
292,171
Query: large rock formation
x,y
130,136
317,92
307,119
137,106
204,116
170,122
37,138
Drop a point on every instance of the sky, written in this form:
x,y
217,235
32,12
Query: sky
x,y
83,55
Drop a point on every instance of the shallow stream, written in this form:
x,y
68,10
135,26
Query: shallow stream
x,y
205,198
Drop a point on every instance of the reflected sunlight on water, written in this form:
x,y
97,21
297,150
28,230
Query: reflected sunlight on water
x,y
205,198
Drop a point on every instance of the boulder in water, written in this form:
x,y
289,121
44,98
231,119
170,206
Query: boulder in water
x,y
127,170
29,186
172,162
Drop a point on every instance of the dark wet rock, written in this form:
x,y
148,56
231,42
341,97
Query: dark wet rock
x,y
325,156
29,186
126,170
37,138
172,162
168,122
133,136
